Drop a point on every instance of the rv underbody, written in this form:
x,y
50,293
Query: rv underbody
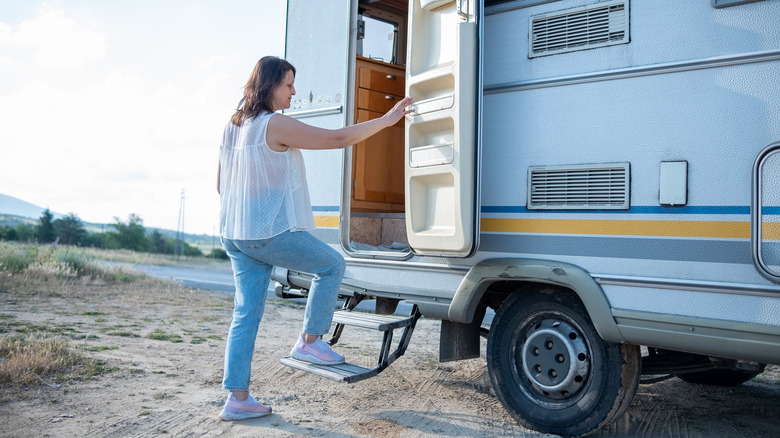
x,y
602,178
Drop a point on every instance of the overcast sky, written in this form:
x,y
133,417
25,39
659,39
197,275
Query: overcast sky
x,y
109,108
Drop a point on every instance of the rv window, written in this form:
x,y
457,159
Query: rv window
x,y
379,40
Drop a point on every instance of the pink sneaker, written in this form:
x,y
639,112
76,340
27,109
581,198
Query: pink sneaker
x,y
239,410
318,352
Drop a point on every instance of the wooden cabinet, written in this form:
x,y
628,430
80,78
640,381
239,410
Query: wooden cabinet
x,y
378,162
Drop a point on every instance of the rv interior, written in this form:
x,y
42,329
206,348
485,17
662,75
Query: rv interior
x,y
376,214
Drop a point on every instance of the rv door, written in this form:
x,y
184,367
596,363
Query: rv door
x,y
318,45
442,76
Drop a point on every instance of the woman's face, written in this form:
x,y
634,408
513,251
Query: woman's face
x,y
284,92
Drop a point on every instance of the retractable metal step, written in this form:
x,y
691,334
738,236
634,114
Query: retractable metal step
x,y
351,373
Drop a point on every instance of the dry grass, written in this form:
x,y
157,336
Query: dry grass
x,y
81,274
60,262
36,359
40,277
65,260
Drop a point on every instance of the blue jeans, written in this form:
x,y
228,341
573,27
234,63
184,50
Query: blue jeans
x,y
253,261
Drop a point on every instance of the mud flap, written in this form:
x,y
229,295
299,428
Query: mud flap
x,y
460,341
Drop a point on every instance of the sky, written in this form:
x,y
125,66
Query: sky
x,y
109,108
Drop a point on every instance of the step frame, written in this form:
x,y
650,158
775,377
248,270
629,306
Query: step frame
x,y
351,373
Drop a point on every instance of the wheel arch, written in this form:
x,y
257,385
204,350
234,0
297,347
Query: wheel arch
x,y
482,275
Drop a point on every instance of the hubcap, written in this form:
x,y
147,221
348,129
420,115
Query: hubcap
x,y
555,359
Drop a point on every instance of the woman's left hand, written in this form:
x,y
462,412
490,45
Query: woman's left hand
x,y
398,111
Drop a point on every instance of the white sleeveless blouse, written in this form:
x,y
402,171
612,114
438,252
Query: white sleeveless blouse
x,y
263,193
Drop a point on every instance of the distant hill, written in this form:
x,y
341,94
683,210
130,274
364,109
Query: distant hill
x,y
16,207
14,211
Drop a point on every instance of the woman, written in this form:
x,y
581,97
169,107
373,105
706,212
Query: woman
x,y
265,215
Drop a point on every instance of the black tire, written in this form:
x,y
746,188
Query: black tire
x,y
573,383
718,377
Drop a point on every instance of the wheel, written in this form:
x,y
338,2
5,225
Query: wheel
x,y
552,371
718,377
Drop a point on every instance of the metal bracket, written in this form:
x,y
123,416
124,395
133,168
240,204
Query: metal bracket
x,y
349,304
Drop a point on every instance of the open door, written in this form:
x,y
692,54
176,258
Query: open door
x,y
441,138
318,45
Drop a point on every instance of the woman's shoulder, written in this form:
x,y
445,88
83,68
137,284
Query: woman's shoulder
x,y
283,121
228,131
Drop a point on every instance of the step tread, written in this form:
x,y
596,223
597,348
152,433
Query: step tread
x,y
371,320
345,372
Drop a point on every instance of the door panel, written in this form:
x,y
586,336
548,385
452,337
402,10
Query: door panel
x,y
317,44
441,137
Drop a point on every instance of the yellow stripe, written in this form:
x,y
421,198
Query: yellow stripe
x,y
770,231
711,229
326,221
718,229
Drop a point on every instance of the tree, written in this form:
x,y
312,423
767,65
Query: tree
x,y
70,229
7,233
26,232
160,244
192,251
131,235
45,230
94,240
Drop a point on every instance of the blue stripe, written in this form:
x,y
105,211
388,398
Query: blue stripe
x,y
324,208
637,209
640,209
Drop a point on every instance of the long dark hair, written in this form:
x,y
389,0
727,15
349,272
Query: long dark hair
x,y
258,91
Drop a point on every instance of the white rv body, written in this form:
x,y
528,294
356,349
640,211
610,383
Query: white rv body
x,y
639,172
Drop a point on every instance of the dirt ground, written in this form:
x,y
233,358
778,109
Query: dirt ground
x,y
158,386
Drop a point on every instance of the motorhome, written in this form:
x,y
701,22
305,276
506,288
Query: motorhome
x,y
602,177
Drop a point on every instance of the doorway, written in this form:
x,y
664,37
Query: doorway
x,y
376,215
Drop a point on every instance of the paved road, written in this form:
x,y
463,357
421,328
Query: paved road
x,y
220,279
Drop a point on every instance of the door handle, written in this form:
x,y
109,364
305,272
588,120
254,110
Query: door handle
x,y
463,12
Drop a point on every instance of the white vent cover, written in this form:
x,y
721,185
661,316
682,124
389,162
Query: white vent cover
x,y
587,27
579,187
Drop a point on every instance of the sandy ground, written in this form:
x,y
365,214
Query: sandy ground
x,y
159,387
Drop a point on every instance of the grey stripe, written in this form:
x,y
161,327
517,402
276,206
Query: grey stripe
x,y
619,247
694,250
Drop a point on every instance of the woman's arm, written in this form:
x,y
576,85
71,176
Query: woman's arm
x,y
285,132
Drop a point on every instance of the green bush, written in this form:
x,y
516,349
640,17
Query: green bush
x,y
218,253
17,258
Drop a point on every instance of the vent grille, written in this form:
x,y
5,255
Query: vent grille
x,y
600,25
582,187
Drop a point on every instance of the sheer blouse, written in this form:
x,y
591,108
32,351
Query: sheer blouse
x,y
263,193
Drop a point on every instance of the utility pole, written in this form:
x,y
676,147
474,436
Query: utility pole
x,y
180,228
